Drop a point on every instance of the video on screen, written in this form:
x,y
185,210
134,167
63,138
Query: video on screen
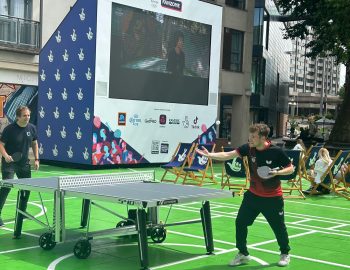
x,y
155,57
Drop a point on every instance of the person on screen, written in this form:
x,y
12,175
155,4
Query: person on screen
x,y
176,55
263,196
18,137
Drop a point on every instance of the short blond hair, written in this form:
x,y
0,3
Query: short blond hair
x,y
324,155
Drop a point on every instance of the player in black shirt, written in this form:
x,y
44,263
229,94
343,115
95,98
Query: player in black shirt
x,y
265,195
15,141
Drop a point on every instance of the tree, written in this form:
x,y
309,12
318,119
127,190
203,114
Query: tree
x,y
341,92
328,24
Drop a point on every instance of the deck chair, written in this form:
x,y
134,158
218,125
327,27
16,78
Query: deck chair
x,y
237,168
340,185
201,168
320,144
179,160
347,179
328,180
294,180
309,160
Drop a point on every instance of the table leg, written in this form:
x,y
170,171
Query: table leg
x,y
207,228
22,200
59,217
153,215
142,237
85,209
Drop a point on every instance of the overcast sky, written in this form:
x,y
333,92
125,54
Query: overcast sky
x,y
342,75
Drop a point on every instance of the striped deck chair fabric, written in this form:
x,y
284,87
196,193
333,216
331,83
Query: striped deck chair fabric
x,y
328,180
309,160
200,169
340,186
179,160
235,168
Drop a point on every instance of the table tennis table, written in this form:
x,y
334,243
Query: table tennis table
x,y
134,189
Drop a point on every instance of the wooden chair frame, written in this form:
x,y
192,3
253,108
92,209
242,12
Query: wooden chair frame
x,y
294,184
178,167
339,188
196,176
226,176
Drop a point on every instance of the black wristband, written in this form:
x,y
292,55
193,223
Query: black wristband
x,y
37,159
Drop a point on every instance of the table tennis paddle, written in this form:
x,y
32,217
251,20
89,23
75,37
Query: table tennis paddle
x,y
17,156
264,172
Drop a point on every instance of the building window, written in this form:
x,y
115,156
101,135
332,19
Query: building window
x,y
258,30
16,25
17,8
258,76
232,50
261,27
236,3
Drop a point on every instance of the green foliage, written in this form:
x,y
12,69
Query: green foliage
x,y
317,117
326,21
329,115
341,92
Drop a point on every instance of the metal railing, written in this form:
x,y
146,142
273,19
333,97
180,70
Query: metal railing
x,y
19,32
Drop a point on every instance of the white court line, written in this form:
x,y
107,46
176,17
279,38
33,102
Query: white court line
x,y
305,258
320,205
11,230
18,249
36,216
275,240
53,264
338,226
254,246
292,214
200,237
226,251
300,221
327,230
263,221
203,257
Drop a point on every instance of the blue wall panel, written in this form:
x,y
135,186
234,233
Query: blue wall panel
x,y
66,87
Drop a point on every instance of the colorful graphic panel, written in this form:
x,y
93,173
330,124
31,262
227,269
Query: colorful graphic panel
x,y
66,83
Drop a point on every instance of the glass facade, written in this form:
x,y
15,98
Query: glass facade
x,y
270,67
233,50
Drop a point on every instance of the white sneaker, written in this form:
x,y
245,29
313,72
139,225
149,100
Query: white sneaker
x,y
240,259
284,260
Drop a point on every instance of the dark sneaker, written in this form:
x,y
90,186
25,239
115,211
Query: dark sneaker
x,y
1,222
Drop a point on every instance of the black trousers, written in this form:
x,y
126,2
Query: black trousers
x,y
8,171
272,209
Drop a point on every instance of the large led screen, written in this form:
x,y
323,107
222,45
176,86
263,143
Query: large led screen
x,y
156,57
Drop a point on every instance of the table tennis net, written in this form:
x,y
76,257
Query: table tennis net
x,y
105,179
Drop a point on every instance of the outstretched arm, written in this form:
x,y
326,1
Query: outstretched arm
x,y
285,171
219,155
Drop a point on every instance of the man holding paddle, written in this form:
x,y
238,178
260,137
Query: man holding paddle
x,y
15,142
266,163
